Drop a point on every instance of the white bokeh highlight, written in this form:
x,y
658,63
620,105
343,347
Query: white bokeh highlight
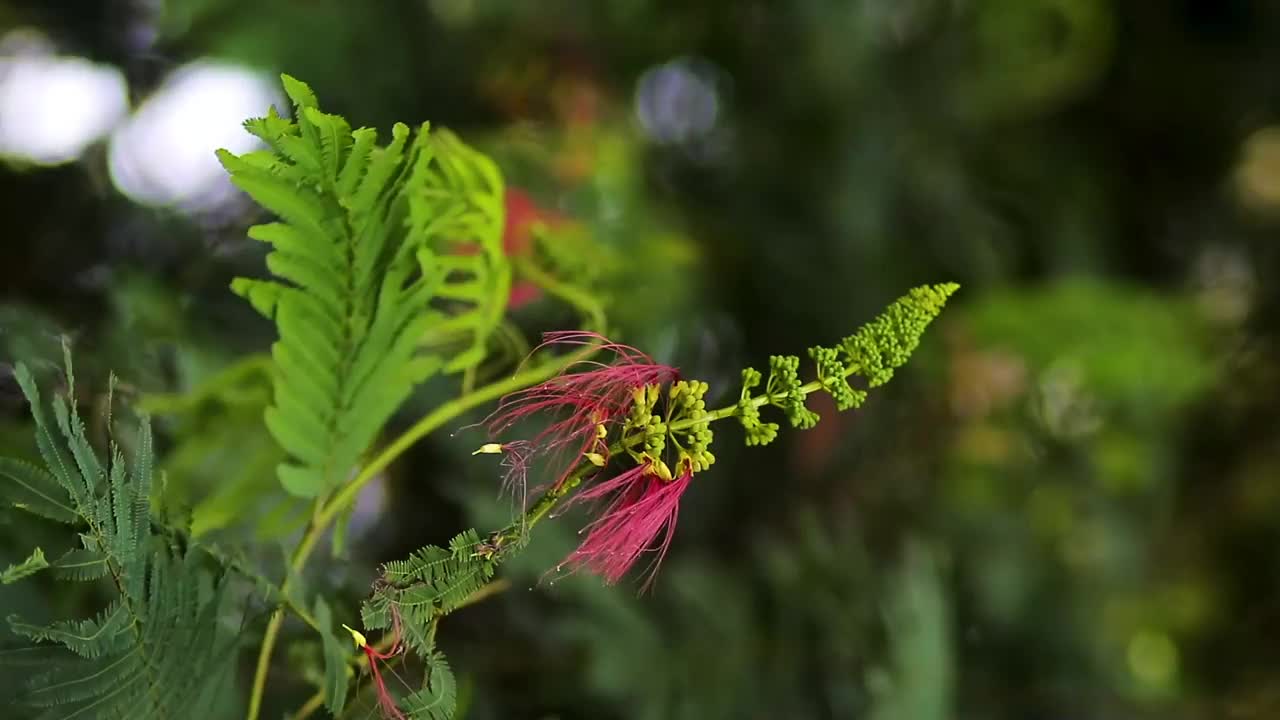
x,y
164,154
54,107
678,102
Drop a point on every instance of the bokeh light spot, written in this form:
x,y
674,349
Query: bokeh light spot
x,y
677,102
1258,174
1153,659
53,107
164,154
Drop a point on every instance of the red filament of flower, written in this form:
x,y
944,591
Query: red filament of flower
x,y
515,458
599,394
386,703
640,508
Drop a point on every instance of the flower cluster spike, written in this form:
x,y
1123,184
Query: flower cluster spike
x,y
587,404
758,431
693,441
833,376
644,413
643,420
884,344
786,391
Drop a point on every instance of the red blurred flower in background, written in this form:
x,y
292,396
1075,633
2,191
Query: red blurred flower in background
x,y
522,215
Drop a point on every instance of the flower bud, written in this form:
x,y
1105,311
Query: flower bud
x,y
662,471
489,449
357,636
595,458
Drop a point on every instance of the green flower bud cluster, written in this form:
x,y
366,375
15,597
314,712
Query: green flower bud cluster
x,y
694,439
832,375
874,352
884,344
684,423
785,391
643,420
748,413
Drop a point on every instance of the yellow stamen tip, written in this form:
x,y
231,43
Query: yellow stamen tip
x,y
358,636
596,459
489,449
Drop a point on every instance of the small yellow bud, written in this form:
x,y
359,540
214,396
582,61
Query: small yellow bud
x,y
601,431
358,636
595,458
489,449
662,471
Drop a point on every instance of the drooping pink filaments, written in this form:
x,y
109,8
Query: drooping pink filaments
x,y
639,507
386,703
590,396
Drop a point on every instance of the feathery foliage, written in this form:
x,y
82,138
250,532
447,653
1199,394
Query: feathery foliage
x,y
156,649
32,565
439,695
369,238
432,582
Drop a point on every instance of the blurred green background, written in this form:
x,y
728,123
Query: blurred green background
x,y
1068,505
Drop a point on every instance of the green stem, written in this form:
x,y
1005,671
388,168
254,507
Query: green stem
x,y
549,499
313,703
215,386
325,512
272,631
571,294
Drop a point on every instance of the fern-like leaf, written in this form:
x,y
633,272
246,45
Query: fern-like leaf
x,y
368,239
438,699
431,582
32,489
460,209
32,565
155,650
81,564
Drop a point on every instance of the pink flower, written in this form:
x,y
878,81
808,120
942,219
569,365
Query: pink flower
x,y
587,404
639,507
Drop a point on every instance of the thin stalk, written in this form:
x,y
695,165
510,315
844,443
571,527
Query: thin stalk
x,y
549,499
325,512
215,386
571,294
